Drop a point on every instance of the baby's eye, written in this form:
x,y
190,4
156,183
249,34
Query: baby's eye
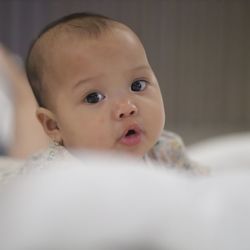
x,y
138,85
94,97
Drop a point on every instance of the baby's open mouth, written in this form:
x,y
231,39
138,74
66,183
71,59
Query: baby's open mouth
x,y
131,137
131,132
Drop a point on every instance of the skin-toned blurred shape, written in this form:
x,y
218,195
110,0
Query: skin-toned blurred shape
x,y
28,136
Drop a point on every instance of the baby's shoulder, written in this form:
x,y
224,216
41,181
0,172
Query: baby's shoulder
x,y
47,158
168,145
170,151
9,168
170,140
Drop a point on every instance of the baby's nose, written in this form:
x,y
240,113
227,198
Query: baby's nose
x,y
126,109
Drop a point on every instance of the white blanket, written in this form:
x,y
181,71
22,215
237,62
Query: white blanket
x,y
121,204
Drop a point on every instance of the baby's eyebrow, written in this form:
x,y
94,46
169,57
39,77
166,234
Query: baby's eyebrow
x,y
91,78
140,67
88,79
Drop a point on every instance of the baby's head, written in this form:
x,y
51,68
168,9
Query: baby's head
x,y
94,85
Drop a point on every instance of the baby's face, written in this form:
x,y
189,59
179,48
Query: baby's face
x,y
105,94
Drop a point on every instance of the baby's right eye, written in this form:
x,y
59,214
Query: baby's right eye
x,y
94,97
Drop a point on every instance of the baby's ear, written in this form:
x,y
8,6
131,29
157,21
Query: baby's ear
x,y
49,123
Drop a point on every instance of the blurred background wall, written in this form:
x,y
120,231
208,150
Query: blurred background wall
x,y
199,49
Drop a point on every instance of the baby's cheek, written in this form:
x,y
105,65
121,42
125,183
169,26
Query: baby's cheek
x,y
97,132
156,121
101,120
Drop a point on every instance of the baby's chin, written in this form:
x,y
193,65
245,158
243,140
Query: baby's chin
x,y
136,153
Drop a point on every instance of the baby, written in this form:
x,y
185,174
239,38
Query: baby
x,y
96,90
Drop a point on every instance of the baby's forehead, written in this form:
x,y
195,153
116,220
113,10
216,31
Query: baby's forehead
x,y
62,43
50,41
56,45
57,41
66,33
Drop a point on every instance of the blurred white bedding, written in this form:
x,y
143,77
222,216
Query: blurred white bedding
x,y
223,153
6,114
109,204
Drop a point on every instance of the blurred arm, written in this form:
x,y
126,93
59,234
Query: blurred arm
x,y
28,135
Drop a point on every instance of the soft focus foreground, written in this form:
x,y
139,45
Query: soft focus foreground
x,y
119,203
223,153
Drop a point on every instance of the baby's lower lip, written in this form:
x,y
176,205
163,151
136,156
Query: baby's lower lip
x,y
131,140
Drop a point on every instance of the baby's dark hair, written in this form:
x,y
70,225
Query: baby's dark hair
x,y
89,24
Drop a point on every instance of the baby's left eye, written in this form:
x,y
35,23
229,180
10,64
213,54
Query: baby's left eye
x,y
138,85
